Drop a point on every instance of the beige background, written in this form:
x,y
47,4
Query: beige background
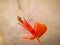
x,y
44,11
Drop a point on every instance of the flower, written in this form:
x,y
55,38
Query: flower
x,y
36,32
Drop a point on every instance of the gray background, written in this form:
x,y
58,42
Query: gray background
x,y
43,11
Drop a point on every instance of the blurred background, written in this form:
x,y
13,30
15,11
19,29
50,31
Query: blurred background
x,y
43,11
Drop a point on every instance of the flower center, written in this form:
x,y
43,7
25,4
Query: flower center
x,y
37,37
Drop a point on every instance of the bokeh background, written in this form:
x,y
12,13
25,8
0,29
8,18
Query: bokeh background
x,y
43,11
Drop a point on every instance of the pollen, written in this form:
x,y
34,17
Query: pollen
x,y
18,18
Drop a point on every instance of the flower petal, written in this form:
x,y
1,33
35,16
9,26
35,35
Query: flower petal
x,y
27,36
39,28
36,27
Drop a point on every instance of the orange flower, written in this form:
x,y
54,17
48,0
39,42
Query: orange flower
x,y
36,32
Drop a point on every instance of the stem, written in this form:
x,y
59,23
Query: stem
x,y
39,42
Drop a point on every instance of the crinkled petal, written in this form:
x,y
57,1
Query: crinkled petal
x,y
27,36
39,28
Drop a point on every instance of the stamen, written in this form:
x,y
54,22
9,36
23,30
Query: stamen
x,y
18,18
